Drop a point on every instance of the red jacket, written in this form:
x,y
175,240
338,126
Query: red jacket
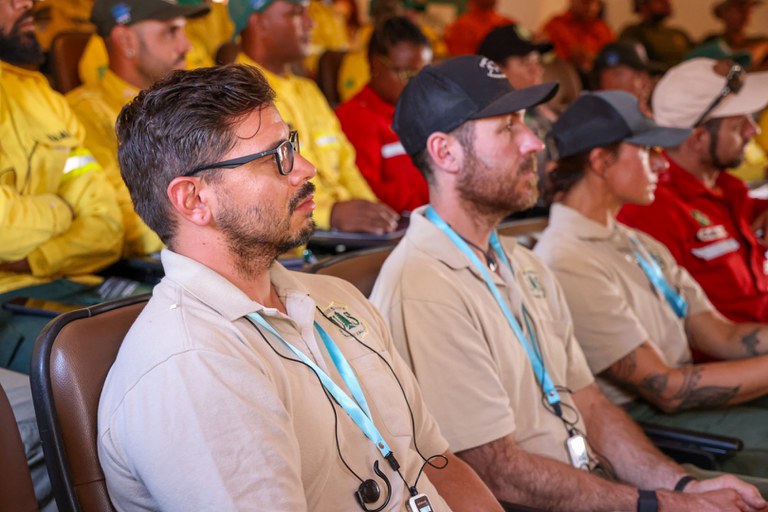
x,y
367,122
708,231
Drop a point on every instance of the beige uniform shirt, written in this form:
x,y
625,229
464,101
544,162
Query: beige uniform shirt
x,y
475,375
615,307
203,411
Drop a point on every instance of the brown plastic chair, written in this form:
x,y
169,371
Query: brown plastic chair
x,y
66,50
358,267
16,490
70,362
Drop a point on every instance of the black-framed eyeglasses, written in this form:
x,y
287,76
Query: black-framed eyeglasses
x,y
283,153
734,81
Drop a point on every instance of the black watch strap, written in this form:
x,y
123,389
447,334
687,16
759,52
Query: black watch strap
x,y
680,485
647,501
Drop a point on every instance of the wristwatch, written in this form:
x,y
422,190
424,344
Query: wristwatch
x,y
647,501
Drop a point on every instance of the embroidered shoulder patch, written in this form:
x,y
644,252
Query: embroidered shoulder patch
x,y
349,324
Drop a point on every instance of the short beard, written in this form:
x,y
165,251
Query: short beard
x,y
21,49
492,199
257,237
713,127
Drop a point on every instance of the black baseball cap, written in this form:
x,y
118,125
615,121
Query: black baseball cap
x,y
443,96
106,14
626,53
602,118
508,41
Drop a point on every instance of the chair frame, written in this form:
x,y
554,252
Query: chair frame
x,y
54,448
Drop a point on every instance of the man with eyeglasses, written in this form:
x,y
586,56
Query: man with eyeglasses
x,y
242,385
397,50
704,216
275,37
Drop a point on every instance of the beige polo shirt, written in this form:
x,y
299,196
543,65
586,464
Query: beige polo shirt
x,y
200,412
614,306
475,375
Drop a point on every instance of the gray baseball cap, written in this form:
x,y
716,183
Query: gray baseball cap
x,y
601,118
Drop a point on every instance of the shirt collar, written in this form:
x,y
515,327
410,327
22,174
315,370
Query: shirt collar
x,y
571,221
119,88
428,238
687,185
223,296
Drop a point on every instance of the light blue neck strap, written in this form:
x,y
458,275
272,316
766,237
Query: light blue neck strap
x,y
652,270
529,344
357,409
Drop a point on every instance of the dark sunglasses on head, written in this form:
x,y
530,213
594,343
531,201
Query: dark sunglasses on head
x,y
734,82
283,154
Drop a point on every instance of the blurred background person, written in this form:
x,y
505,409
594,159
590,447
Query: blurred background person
x,y
397,51
275,35
579,33
668,45
464,35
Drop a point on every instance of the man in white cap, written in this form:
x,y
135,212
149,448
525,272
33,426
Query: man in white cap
x,y
703,215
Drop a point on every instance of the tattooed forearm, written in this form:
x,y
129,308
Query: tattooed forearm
x,y
749,341
655,384
691,396
624,368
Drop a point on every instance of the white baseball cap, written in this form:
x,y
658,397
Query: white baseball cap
x,y
686,91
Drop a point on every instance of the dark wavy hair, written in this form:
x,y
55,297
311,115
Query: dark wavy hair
x,y
184,120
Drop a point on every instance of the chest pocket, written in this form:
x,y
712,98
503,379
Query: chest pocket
x,y
387,403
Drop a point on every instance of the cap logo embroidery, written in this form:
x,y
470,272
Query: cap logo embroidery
x,y
121,13
491,69
612,59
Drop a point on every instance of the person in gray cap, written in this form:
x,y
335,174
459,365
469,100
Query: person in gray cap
x,y
484,324
635,310
145,40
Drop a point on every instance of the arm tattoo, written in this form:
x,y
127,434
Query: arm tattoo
x,y
624,368
655,384
750,342
692,397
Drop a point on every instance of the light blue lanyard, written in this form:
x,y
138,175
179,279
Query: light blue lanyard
x,y
357,409
656,277
528,343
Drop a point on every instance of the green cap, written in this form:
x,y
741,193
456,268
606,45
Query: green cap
x,y
718,49
107,14
241,10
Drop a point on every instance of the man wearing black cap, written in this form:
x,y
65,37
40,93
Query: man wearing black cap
x,y
145,40
484,324
624,66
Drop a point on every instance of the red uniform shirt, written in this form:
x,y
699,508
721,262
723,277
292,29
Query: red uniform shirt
x,y
464,35
708,231
367,122
578,41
